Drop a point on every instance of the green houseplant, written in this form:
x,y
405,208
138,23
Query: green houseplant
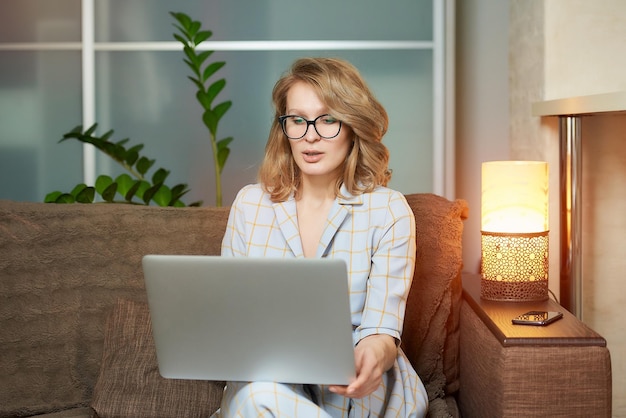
x,y
191,36
135,186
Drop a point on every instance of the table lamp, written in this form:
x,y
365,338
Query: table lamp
x,y
514,231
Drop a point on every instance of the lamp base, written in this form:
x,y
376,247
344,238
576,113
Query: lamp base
x,y
514,266
514,291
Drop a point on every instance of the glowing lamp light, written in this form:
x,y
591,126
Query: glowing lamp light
x,y
514,230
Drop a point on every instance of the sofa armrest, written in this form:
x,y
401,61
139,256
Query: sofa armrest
x,y
563,370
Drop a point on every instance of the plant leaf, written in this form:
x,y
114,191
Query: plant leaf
x,y
108,134
197,82
102,182
86,195
91,130
222,156
204,99
202,36
180,38
143,165
193,59
124,183
109,193
52,197
184,20
223,152
160,175
215,88
222,108
131,157
143,186
132,191
210,121
181,29
65,198
203,56
212,69
107,147
119,152
132,154
80,137
177,192
178,189
195,68
150,192
162,196
77,129
136,148
223,143
193,28
77,189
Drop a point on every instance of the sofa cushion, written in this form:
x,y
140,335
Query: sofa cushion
x,y
62,267
81,412
129,383
431,326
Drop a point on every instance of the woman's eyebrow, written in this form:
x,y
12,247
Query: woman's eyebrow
x,y
301,113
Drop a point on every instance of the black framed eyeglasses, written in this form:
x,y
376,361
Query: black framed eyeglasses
x,y
296,127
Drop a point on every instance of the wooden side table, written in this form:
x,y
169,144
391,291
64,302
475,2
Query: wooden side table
x,y
538,371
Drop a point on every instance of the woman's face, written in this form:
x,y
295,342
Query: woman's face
x,y
317,158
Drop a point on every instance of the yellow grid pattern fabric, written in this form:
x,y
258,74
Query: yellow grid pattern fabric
x,y
374,234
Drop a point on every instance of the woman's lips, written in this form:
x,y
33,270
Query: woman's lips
x,y
312,156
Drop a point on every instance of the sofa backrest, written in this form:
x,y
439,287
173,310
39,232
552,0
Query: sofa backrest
x,y
63,267
431,332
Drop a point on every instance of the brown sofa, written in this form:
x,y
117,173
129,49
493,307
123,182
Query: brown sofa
x,y
75,335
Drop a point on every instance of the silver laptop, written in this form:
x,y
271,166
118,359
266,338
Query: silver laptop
x,y
250,319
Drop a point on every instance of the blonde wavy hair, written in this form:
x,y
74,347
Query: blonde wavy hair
x,y
342,89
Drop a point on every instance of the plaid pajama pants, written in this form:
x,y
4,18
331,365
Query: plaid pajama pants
x,y
402,395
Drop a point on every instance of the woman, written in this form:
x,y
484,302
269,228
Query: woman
x,y
322,193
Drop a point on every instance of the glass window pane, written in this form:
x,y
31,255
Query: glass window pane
x,y
123,20
147,97
40,100
40,21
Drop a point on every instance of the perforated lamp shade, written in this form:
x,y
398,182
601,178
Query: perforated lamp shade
x,y
514,230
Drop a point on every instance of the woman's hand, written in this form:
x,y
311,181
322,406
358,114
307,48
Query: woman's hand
x,y
374,355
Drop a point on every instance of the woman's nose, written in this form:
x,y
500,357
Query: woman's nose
x,y
311,134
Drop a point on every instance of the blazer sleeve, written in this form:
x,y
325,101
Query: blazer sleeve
x,y
234,241
391,273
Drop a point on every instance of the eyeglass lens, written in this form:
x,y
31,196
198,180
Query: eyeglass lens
x,y
295,127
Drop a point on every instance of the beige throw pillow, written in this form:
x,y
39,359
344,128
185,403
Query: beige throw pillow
x,y
129,383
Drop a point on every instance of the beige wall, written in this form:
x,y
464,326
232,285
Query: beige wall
x,y
585,47
482,105
531,138
565,48
511,54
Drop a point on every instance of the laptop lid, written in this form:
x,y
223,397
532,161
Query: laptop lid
x,y
250,319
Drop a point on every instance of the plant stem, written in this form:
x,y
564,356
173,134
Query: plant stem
x,y
218,176
130,169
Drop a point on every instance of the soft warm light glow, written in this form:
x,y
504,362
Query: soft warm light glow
x,y
514,232
514,196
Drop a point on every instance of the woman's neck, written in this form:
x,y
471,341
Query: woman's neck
x,y
317,189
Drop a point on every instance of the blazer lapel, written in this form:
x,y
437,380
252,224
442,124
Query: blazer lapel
x,y
287,218
338,213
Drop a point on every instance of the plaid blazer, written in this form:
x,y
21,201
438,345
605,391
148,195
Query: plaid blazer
x,y
374,233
